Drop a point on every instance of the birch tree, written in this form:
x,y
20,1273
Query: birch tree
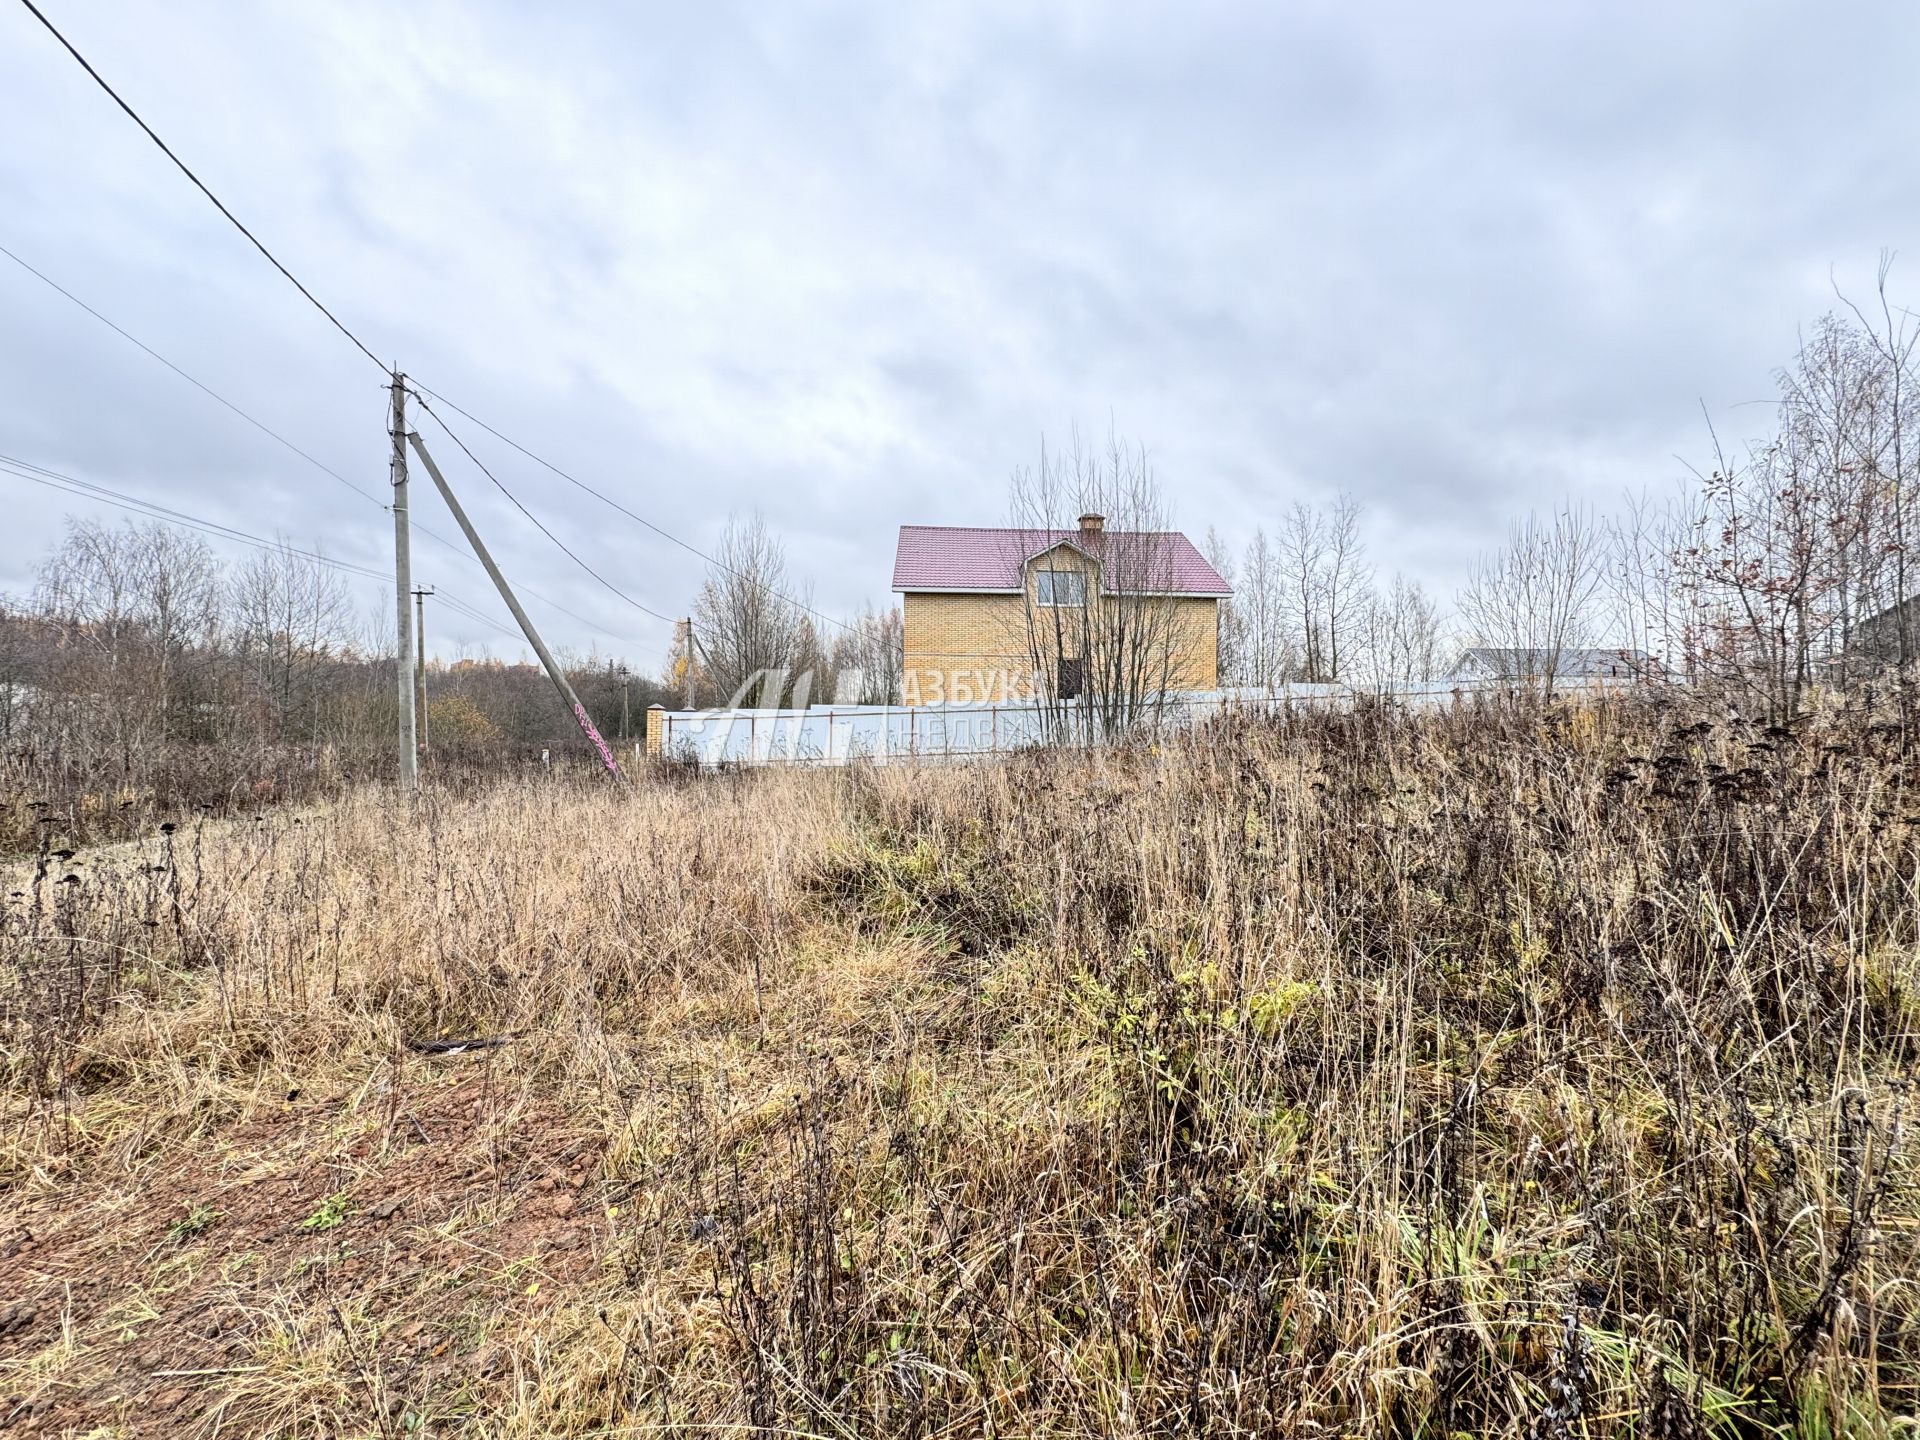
x,y
1536,596
749,636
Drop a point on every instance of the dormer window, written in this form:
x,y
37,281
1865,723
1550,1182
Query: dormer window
x,y
1060,587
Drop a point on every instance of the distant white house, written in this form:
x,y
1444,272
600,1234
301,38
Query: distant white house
x,y
1482,664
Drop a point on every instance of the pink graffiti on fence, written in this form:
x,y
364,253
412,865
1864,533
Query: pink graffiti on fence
x,y
606,755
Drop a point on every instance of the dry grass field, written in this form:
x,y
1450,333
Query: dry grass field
x,y
1497,1072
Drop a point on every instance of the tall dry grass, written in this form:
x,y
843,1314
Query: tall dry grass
x,y
1502,1071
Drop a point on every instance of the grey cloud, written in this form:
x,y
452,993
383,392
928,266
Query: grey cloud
x,y
847,265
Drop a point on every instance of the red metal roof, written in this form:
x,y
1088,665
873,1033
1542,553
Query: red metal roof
x,y
969,557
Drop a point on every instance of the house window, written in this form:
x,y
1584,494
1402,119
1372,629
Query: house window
x,y
1061,587
1072,677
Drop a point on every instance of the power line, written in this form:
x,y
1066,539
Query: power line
x,y
421,391
88,490
292,279
134,115
215,394
647,610
119,499
526,590
40,475
267,430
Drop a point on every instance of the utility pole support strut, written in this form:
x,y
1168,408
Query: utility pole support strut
x,y
567,697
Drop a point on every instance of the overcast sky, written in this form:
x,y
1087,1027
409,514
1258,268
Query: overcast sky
x,y
847,264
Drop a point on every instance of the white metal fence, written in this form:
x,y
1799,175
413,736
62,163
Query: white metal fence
x,y
839,734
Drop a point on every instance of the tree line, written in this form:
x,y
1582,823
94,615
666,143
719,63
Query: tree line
x,y
138,642
1780,565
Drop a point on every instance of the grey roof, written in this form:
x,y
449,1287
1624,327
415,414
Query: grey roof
x,y
1519,663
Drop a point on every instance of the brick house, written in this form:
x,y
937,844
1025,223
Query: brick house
x,y
994,615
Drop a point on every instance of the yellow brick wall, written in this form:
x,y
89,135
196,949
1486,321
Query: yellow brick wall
x,y
965,647
1196,648
973,648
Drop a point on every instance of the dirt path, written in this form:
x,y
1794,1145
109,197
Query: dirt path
x,y
122,857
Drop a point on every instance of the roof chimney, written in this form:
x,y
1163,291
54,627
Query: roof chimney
x,y
1091,524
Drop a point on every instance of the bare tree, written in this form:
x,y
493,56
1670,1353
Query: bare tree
x,y
292,615
135,604
1347,585
1534,599
1270,655
1405,636
1256,637
87,588
810,670
17,670
177,596
1099,621
869,657
1231,642
1302,565
748,634
1886,458
1321,563
1794,568
1754,573
1639,585
1789,543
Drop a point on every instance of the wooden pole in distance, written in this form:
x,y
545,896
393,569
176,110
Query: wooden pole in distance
x,y
420,664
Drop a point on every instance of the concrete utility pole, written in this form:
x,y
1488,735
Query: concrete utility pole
x,y
688,623
554,673
420,662
624,680
403,585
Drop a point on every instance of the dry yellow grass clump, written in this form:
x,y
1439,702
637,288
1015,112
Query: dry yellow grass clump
x,y
1502,1071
